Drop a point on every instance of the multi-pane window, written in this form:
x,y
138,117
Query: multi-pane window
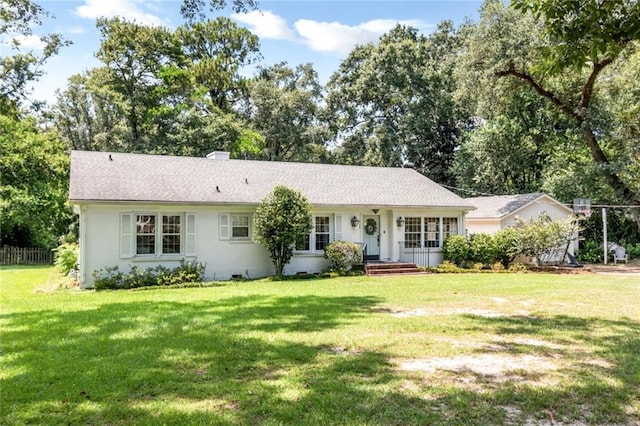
x,y
322,232
431,232
240,226
171,232
319,238
449,227
428,232
146,234
412,231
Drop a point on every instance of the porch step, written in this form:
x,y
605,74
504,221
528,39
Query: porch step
x,y
391,268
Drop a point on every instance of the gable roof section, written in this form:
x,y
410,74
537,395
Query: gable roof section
x,y
499,206
103,176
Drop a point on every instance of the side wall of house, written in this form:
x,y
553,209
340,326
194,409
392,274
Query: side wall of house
x,y
101,240
532,212
483,226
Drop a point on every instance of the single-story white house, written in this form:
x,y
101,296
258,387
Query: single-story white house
x,y
497,212
147,210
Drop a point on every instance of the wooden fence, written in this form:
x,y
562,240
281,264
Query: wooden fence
x,y
25,256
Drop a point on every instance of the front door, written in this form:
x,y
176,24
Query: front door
x,y
371,229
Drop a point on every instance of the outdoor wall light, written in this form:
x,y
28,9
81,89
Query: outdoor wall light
x,y
400,221
355,221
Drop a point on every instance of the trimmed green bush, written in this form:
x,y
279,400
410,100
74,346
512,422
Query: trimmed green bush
x,y
504,244
343,255
482,249
456,249
111,278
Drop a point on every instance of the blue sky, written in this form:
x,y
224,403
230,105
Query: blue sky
x,y
321,32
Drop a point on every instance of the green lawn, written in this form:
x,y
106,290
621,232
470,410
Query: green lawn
x,y
432,349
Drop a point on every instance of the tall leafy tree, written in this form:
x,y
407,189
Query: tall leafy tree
x,y
18,20
578,39
284,106
393,102
216,50
134,56
33,190
160,91
88,114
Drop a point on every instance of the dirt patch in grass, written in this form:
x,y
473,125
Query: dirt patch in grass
x,y
495,367
485,313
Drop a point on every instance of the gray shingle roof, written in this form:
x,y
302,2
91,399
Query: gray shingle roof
x,y
498,206
103,176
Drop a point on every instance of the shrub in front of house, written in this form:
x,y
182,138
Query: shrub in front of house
x,y
482,249
111,278
448,267
518,267
66,257
504,245
343,255
497,267
456,249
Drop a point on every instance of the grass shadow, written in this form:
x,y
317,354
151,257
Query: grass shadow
x,y
251,360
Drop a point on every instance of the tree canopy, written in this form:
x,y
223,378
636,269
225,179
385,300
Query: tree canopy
x,y
536,96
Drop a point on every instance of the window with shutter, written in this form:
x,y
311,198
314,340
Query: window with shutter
x,y
337,227
190,235
126,240
224,230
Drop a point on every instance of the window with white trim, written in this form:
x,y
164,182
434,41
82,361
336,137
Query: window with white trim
x,y
240,226
449,227
322,232
156,234
412,231
171,234
320,236
428,232
145,234
431,232
235,226
148,234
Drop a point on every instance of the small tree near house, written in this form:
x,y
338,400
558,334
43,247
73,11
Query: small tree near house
x,y
282,218
543,238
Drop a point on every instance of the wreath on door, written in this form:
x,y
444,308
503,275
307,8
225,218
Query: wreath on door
x,y
370,227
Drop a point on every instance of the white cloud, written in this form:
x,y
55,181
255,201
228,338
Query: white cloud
x,y
334,37
266,25
30,42
127,9
326,37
